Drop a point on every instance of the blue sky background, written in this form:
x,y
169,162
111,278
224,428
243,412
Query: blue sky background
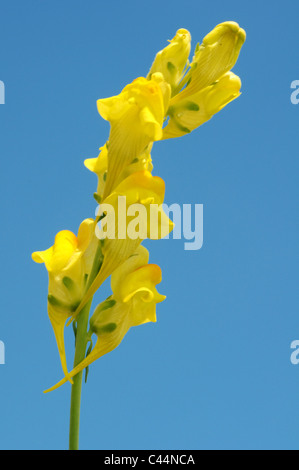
x,y
215,371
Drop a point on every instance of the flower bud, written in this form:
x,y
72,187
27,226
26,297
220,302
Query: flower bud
x,y
171,60
192,112
217,55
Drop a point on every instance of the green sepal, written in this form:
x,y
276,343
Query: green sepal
x,y
87,353
97,197
68,283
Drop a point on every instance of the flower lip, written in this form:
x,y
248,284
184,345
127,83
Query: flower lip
x,y
57,256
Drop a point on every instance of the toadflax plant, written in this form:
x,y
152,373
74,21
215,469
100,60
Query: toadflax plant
x,y
175,97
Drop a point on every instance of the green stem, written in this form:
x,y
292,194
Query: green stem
x,y
82,339
81,343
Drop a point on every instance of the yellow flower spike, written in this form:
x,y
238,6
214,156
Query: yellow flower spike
x,y
136,117
197,109
172,60
68,263
133,303
139,188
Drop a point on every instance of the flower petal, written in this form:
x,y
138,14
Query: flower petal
x,y
58,256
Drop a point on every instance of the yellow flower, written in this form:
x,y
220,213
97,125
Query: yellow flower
x,y
191,112
133,303
99,166
208,75
173,59
68,263
217,55
136,117
140,192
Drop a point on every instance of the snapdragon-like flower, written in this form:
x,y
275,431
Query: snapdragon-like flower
x,y
191,112
140,192
132,303
173,59
68,263
136,118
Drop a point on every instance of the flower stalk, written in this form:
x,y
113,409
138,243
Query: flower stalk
x,y
80,351
174,98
